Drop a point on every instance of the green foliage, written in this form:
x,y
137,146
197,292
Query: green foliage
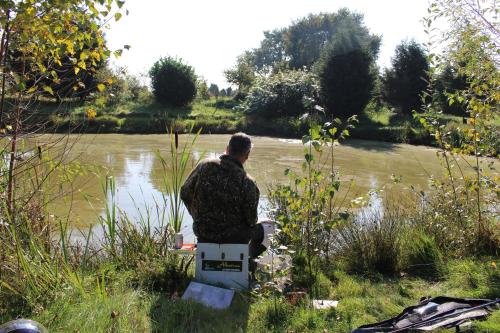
x,y
176,169
404,82
471,50
202,89
346,75
305,209
423,256
57,44
243,73
173,82
289,93
213,90
301,44
371,241
448,83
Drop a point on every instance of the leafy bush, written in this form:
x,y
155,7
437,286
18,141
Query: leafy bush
x,y
120,87
289,93
173,82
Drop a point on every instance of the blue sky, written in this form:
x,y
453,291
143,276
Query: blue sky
x,y
209,35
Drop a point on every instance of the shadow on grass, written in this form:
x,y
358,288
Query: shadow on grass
x,y
178,316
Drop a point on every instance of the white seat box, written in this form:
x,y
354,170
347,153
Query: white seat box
x,y
223,264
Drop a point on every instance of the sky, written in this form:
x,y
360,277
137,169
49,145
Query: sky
x,y
209,35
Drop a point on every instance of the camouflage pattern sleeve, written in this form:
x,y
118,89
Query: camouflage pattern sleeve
x,y
251,202
189,187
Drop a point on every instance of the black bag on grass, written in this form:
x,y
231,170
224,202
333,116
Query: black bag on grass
x,y
433,313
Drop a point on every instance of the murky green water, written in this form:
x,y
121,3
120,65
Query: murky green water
x,y
133,162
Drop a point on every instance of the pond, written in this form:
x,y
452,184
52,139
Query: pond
x,y
133,162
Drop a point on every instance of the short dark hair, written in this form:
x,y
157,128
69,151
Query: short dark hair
x,y
239,144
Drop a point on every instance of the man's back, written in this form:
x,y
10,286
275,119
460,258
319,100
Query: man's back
x,y
222,199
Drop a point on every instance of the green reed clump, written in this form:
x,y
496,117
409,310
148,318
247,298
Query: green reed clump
x,y
175,172
422,256
371,240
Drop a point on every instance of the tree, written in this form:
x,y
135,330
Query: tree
x,y
229,91
202,89
271,56
300,45
243,73
346,73
214,90
37,38
307,38
404,82
173,82
222,93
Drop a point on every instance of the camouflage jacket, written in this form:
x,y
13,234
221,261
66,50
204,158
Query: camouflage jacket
x,y
222,199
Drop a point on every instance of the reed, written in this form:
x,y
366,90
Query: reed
x,y
175,171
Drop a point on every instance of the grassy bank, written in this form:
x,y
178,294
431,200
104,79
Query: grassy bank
x,y
220,117
124,307
375,264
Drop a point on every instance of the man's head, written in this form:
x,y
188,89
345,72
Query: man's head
x,y
239,147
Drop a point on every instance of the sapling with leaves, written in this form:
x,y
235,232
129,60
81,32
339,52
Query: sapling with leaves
x,y
306,209
471,41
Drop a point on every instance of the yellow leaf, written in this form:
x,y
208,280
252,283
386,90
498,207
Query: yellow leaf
x,y
110,81
77,69
101,87
118,16
48,89
91,113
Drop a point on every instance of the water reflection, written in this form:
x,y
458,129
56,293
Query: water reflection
x,y
133,161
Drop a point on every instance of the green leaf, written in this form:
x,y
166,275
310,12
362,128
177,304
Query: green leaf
x,y
316,145
118,16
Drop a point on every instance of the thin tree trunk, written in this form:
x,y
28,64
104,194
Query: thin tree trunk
x,y
3,57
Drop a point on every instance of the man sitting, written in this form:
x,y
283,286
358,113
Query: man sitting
x,y
223,199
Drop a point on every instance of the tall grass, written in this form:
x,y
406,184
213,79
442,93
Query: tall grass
x,y
41,260
175,171
109,222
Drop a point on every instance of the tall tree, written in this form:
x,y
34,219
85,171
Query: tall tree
x,y
347,75
405,81
243,73
301,44
271,56
213,90
306,38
